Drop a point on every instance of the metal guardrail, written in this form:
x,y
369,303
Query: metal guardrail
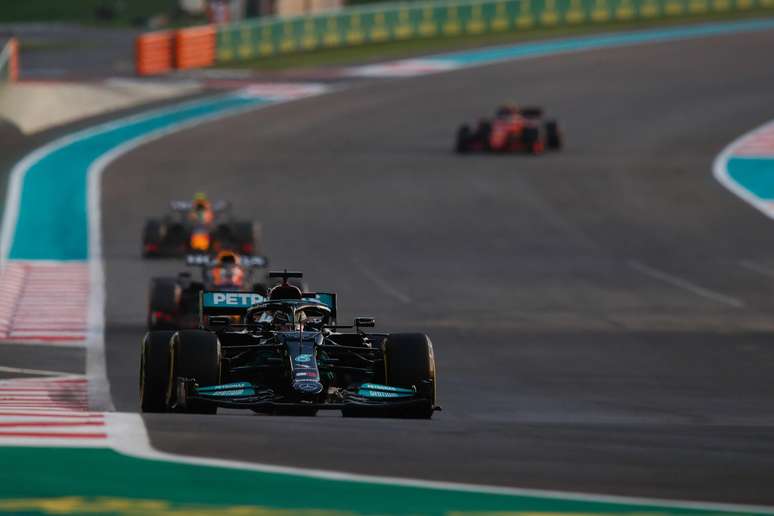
x,y
401,21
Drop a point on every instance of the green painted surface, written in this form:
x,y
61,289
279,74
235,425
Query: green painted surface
x,y
416,20
101,481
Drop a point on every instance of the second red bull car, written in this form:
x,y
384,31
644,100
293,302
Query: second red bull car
x,y
199,226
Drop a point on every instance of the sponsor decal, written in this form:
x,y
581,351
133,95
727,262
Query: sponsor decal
x,y
234,392
388,388
303,358
308,386
232,299
368,393
236,385
306,374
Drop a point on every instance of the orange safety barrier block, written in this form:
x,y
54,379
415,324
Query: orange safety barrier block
x,y
13,60
153,53
195,47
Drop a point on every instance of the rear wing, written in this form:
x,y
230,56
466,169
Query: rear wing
x,y
203,260
182,206
237,303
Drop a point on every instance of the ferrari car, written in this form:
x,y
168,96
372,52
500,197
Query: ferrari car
x,y
512,129
173,302
284,353
198,226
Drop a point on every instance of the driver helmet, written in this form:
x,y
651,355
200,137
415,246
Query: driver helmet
x,y
506,110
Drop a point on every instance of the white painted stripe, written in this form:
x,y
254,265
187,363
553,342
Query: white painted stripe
x,y
383,284
685,284
760,269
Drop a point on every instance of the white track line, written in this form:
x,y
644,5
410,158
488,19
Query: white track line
x,y
685,284
383,284
760,269
39,372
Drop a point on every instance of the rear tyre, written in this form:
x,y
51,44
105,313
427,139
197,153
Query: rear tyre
x,y
553,136
531,139
152,237
195,354
244,238
462,145
163,304
154,371
409,362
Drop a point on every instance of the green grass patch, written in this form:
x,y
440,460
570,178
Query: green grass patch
x,y
374,52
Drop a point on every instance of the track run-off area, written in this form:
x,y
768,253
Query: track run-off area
x,y
601,317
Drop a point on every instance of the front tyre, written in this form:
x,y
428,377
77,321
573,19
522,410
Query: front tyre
x,y
553,136
195,354
154,371
409,362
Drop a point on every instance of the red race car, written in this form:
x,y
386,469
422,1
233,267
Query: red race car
x,y
512,129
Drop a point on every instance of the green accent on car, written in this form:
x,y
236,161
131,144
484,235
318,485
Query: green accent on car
x,y
237,389
231,299
375,390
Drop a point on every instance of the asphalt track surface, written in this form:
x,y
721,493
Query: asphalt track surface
x,y
596,327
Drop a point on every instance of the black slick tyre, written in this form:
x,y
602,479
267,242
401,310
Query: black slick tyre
x,y
163,304
409,362
462,145
553,136
195,354
152,237
154,371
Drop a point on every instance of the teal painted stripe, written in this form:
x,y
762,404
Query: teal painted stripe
x,y
523,50
99,481
755,175
52,221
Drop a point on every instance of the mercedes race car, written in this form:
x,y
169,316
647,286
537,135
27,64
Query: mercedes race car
x,y
284,353
173,302
199,226
511,130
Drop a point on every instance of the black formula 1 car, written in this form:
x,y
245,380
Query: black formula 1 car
x,y
173,302
285,354
511,130
196,227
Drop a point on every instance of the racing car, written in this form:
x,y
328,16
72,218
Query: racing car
x,y
198,226
284,353
173,302
512,129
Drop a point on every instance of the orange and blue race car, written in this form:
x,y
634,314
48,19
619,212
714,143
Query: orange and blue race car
x,y
513,129
199,226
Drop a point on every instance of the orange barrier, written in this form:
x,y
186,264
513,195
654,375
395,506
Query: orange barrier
x,y
13,60
153,53
195,47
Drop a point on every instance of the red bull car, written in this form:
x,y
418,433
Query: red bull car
x,y
198,226
173,302
511,130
